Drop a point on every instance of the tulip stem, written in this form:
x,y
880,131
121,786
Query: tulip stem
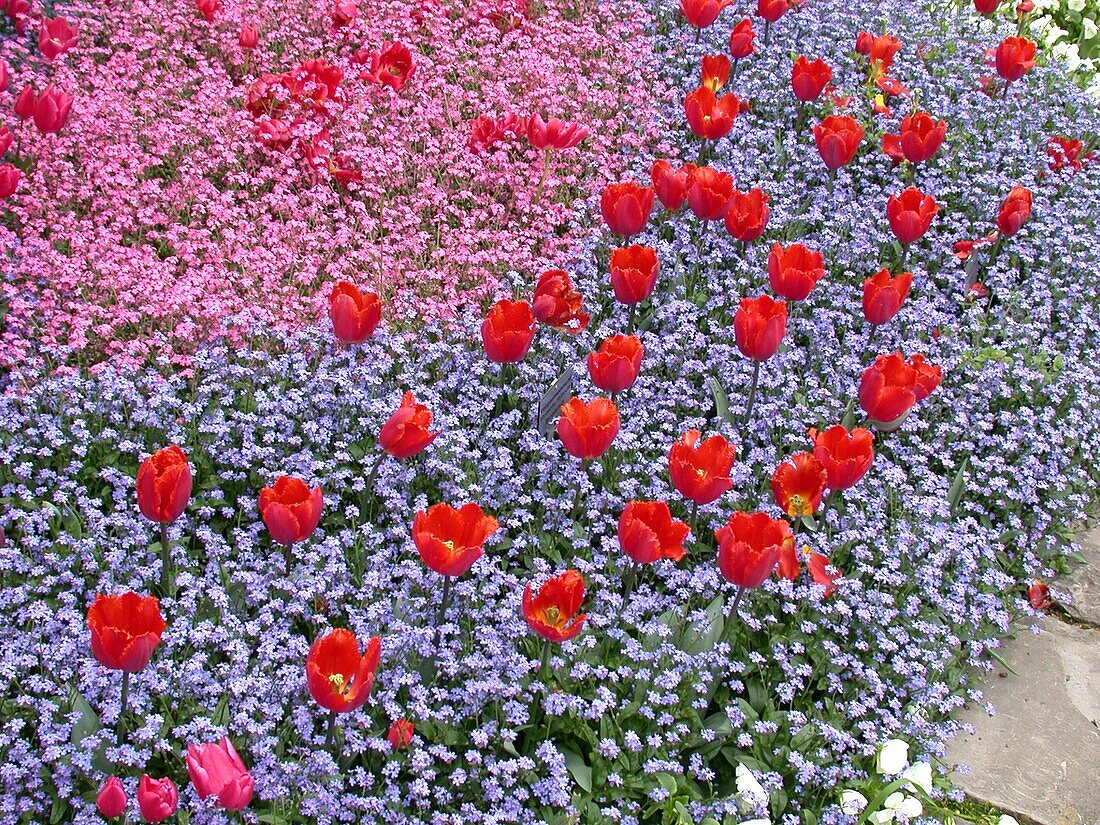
x,y
546,649
767,32
165,559
825,511
374,469
542,178
330,734
628,584
121,730
904,256
287,559
737,601
752,396
632,318
695,519
441,613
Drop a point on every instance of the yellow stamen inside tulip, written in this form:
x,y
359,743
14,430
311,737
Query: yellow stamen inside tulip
x,y
798,506
552,616
340,686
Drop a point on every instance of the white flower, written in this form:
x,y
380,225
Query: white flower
x,y
1076,5
920,774
893,756
1089,28
750,792
903,805
1007,820
853,803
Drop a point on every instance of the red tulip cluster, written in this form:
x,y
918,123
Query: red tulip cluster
x,y
49,110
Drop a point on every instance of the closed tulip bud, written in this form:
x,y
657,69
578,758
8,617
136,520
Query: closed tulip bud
x,y
708,116
884,294
1014,211
3,76
111,800
400,734
9,180
25,103
1024,8
749,545
669,184
290,509
216,770
344,14
338,676
164,485
910,214
700,472
508,331
747,215
554,134
209,9
1038,596
354,314
921,136
793,271
845,455
1015,57
710,193
558,304
863,43
125,630
772,10
715,72
799,484
586,429
158,799
838,138
249,37
809,79
986,6
55,37
450,540
702,13
626,207
759,326
742,40
52,110
614,366
649,533
634,272
406,432
554,614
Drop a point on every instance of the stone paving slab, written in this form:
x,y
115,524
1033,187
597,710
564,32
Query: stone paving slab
x,y
1038,758
1083,585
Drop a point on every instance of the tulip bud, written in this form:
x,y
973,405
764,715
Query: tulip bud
x,y
9,180
249,37
111,800
400,734
25,103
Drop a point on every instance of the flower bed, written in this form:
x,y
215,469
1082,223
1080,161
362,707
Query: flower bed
x,y
178,203
686,693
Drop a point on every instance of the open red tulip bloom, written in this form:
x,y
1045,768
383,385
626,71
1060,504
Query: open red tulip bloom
x,y
749,545
845,455
125,629
339,677
290,509
700,472
799,484
450,540
554,612
586,429
648,532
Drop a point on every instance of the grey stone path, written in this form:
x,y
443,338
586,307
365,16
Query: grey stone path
x,y
1038,758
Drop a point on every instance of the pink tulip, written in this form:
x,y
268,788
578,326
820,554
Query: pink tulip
x,y
52,109
217,770
55,37
9,180
25,103
157,798
111,800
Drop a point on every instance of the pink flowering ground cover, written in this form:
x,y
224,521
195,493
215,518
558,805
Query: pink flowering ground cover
x,y
189,195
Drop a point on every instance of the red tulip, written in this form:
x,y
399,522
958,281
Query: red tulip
x,y
921,136
891,146
710,193
55,37
926,376
884,294
747,215
845,455
6,138
1015,58
507,331
809,79
249,37
710,117
626,207
554,612
614,366
891,386
1038,596
634,273
749,546
558,304
344,14
799,484
25,103
164,485
158,799
741,40
792,272
701,472
788,567
290,510
111,800
400,734
772,10
838,138
9,180
554,134
1024,8
450,541
1062,153
216,769
648,532
910,214
986,6
816,564
391,66
355,315
52,110
587,429
670,185
1014,211
406,432
209,9
715,72
125,630
3,76
880,50
701,13
759,326
339,678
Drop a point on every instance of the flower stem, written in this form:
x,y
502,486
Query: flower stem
x,y
441,613
628,585
542,178
121,730
695,519
736,601
375,468
165,559
752,394
546,650
330,734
